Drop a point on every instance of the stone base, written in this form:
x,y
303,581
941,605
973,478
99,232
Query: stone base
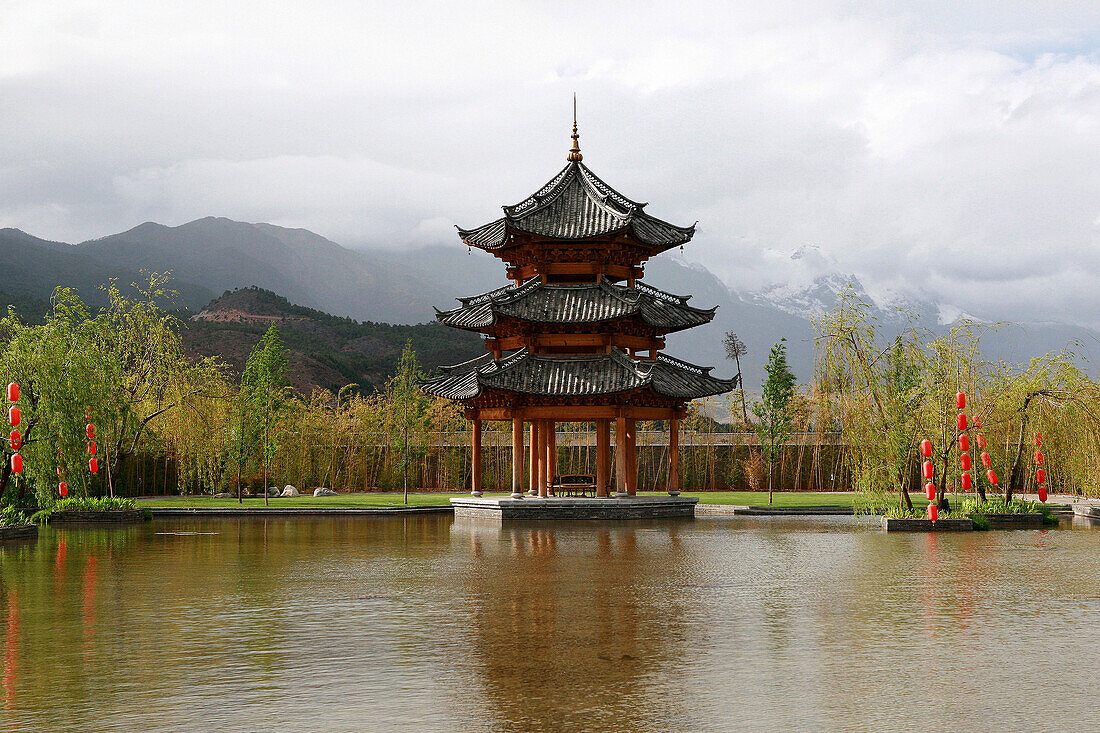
x,y
1086,510
725,510
635,507
1015,521
113,516
892,524
19,532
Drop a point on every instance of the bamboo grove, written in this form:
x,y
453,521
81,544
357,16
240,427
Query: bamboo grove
x,y
170,424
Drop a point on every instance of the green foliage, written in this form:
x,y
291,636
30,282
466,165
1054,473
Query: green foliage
x,y
774,420
94,504
11,516
262,398
409,413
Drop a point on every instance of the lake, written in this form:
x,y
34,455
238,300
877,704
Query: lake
x,y
434,624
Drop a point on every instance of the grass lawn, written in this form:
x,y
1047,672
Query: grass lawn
x,y
759,498
343,500
779,498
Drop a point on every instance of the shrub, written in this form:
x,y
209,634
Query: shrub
x,y
9,516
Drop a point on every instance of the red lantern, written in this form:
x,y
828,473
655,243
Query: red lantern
x,y
992,476
960,400
967,483
962,421
14,416
1040,476
63,489
13,392
926,448
964,442
93,465
1043,494
1039,457
17,463
986,460
15,438
930,491
964,461
977,422
933,512
929,469
1038,439
981,442
91,447
89,429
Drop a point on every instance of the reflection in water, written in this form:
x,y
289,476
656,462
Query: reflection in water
x,y
564,635
431,624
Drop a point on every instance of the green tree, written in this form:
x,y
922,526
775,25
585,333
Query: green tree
x,y
263,398
410,413
773,411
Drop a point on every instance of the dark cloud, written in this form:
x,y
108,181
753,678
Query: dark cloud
x,y
939,150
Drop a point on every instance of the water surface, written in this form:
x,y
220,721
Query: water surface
x,y
434,624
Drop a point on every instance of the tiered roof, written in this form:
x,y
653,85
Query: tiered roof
x,y
541,302
574,205
576,376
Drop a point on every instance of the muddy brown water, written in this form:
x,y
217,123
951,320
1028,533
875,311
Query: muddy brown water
x,y
434,624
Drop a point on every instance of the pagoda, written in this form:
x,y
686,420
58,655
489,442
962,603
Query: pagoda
x,y
576,336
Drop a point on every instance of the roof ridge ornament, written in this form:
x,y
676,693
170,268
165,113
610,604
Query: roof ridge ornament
x,y
575,151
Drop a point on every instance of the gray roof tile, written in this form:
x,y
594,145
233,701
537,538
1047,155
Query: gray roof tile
x,y
539,302
576,204
576,376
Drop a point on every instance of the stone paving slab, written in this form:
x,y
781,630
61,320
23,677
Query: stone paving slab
x,y
534,508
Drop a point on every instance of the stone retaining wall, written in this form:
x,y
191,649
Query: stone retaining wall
x,y
113,516
892,524
19,532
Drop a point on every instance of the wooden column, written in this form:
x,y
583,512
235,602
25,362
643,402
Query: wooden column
x,y
603,456
620,455
475,458
674,454
551,452
542,459
534,487
631,457
517,457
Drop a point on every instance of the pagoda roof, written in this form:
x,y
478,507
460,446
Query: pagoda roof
x,y
575,376
576,204
541,302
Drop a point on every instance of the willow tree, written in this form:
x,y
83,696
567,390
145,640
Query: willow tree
x,y
873,383
147,372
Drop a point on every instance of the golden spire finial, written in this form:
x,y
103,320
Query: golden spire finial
x,y
575,151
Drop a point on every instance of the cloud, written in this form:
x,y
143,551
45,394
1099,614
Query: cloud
x,y
944,150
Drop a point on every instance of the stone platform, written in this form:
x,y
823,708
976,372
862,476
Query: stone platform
x,y
632,507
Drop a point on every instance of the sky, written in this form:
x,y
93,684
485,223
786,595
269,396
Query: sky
x,y
947,152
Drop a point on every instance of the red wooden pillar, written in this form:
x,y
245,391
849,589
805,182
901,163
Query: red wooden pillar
x,y
551,452
542,459
632,457
534,468
475,458
517,457
674,454
603,456
620,455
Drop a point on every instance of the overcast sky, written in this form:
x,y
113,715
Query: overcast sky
x,y
945,150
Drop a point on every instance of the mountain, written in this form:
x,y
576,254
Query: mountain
x,y
213,255
325,351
